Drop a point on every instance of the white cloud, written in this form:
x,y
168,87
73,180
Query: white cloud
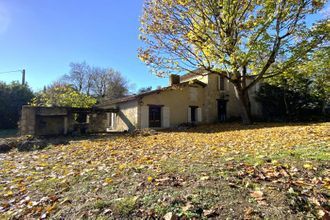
x,y
4,18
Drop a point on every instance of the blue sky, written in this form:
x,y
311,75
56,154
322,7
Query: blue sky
x,y
44,36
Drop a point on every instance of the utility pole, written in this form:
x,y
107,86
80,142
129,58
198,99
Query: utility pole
x,y
23,77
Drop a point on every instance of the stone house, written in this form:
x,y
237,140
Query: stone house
x,y
190,98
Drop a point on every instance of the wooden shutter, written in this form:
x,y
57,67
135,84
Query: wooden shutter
x,y
144,116
113,120
165,117
189,115
199,115
108,119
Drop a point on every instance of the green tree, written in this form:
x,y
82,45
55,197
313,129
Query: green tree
x,y
62,95
306,85
243,41
12,97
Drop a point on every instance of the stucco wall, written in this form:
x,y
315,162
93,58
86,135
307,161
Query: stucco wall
x,y
178,101
127,117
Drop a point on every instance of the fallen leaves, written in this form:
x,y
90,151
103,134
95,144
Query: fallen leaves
x,y
59,179
259,197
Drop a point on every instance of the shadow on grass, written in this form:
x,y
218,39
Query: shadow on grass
x,y
206,129
236,126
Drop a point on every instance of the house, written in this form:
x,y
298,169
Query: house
x,y
190,98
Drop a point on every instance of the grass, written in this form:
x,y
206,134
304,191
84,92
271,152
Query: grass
x,y
272,171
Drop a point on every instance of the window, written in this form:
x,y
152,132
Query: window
x,y
222,83
193,114
155,116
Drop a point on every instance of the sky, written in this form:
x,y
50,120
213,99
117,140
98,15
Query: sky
x,y
44,36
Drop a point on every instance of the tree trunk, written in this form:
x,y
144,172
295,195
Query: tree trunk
x,y
244,103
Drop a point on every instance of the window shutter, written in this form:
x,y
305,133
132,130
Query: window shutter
x,y
189,115
113,120
144,116
165,117
108,119
199,115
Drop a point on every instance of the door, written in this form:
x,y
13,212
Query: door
x,y
155,116
222,110
193,114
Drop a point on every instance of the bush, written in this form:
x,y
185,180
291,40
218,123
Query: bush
x,y
279,104
12,97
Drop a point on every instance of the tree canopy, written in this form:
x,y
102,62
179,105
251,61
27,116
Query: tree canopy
x,y
236,39
61,95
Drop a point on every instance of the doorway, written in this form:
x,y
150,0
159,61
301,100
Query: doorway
x,y
155,116
222,110
193,114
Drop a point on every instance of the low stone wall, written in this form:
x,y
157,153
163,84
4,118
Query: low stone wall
x,y
44,121
41,121
27,123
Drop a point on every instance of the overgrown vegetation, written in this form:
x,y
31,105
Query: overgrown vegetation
x,y
12,97
272,171
302,92
62,95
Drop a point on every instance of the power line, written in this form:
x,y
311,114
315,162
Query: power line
x,y
13,71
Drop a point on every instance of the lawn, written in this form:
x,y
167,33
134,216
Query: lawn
x,y
273,171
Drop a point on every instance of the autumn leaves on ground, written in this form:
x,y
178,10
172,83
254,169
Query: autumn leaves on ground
x,y
271,171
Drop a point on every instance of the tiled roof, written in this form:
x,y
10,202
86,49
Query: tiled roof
x,y
135,97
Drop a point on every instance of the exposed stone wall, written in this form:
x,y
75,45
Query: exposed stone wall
x,y
45,121
98,123
211,94
27,123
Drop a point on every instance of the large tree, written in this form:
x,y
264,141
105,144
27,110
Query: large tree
x,y
80,77
244,41
96,81
108,83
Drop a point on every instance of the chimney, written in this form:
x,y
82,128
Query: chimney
x,y
174,79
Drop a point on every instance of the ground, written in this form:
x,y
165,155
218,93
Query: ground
x,y
262,171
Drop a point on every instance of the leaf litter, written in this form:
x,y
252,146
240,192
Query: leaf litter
x,y
258,171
